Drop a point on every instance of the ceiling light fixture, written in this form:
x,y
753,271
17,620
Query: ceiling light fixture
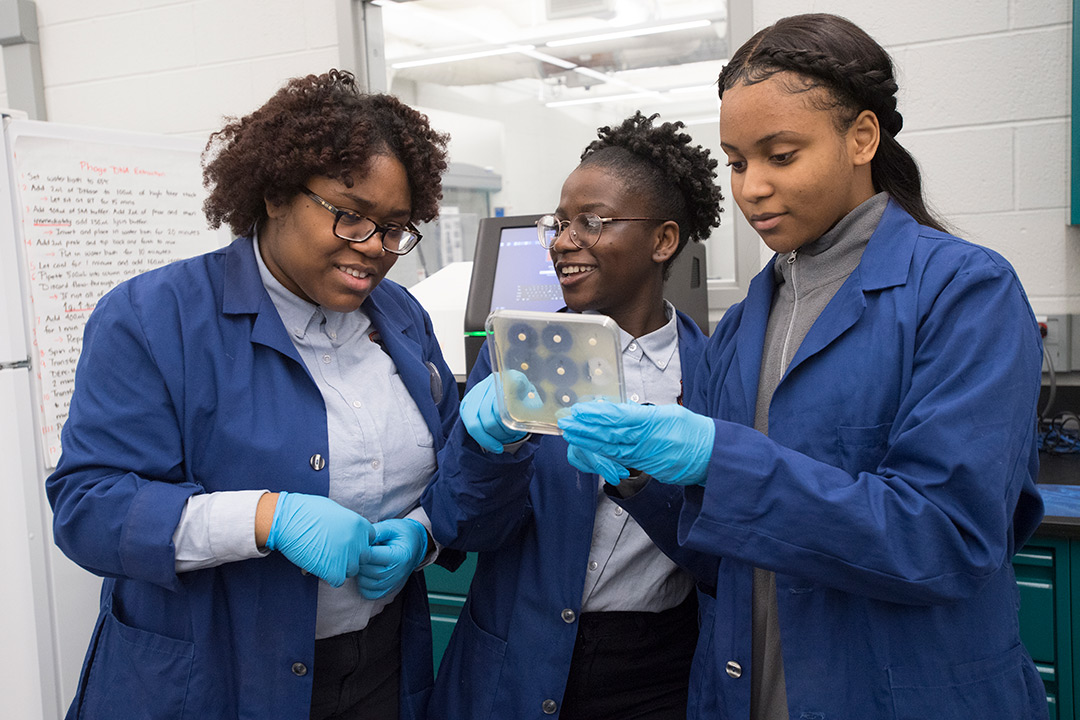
x,y
621,34
599,99
551,59
463,56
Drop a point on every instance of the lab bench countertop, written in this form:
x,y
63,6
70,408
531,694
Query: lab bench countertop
x,y
1059,484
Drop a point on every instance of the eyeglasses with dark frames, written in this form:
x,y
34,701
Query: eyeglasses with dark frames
x,y
355,228
585,228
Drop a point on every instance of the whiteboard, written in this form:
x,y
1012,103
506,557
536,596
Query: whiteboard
x,y
93,208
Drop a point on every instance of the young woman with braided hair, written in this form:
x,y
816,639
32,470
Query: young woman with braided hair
x,y
858,449
573,611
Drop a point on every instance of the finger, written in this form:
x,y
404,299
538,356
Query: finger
x,y
334,578
376,573
605,445
591,462
608,414
383,555
353,566
371,591
386,533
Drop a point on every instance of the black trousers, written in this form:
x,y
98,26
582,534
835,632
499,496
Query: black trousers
x,y
357,675
632,665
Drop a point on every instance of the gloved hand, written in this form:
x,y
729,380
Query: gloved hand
x,y
588,461
400,545
320,536
667,441
480,411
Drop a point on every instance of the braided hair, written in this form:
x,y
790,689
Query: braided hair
x,y
831,52
676,175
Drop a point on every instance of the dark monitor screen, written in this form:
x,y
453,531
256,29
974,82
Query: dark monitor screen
x,y
524,276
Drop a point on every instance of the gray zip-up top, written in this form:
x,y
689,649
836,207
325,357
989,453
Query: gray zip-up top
x,y
806,280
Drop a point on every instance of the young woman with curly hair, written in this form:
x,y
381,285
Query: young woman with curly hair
x,y
251,431
573,612
859,447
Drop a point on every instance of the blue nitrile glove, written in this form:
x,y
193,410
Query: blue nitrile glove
x,y
590,462
320,536
400,545
480,412
667,441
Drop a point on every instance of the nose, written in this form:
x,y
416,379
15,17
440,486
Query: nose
x,y
754,183
372,245
563,243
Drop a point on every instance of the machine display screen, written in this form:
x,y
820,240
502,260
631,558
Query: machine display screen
x,y
524,276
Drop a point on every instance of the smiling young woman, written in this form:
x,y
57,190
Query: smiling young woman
x,y
251,431
572,607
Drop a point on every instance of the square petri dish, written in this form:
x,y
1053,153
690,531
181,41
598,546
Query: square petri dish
x,y
545,362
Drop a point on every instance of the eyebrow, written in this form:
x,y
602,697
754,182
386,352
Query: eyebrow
x,y
771,137
590,207
364,206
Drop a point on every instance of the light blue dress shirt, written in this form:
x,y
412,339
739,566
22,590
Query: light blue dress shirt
x,y
626,570
381,451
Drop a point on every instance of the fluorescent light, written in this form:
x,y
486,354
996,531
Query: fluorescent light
x,y
599,99
463,56
551,59
620,34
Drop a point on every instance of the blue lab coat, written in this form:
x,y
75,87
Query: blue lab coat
x,y
895,485
530,517
188,383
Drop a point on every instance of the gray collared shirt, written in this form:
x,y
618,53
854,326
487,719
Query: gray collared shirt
x,y
626,571
381,452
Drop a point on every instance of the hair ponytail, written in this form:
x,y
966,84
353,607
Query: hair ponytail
x,y
831,52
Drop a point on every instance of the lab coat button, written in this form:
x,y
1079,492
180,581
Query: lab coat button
x,y
734,669
299,669
317,462
549,707
568,616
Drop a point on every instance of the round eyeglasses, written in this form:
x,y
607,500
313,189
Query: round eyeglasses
x,y
355,228
585,228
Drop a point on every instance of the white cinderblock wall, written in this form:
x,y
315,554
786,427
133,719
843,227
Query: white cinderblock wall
x,y
985,94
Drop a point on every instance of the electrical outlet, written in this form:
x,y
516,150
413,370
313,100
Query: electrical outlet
x,y
1058,342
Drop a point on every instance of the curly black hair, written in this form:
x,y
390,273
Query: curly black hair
x,y
317,125
676,175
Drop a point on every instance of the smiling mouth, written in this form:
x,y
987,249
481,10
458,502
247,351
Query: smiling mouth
x,y
353,272
568,270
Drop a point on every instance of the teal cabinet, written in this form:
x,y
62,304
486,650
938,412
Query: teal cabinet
x,y
1048,577
446,595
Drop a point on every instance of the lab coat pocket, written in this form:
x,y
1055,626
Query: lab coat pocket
x,y
410,413
136,674
997,688
861,449
470,673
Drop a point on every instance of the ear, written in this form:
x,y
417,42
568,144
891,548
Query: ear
x,y
275,210
863,138
666,242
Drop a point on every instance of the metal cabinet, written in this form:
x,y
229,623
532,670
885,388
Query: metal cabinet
x,y
1048,576
446,595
